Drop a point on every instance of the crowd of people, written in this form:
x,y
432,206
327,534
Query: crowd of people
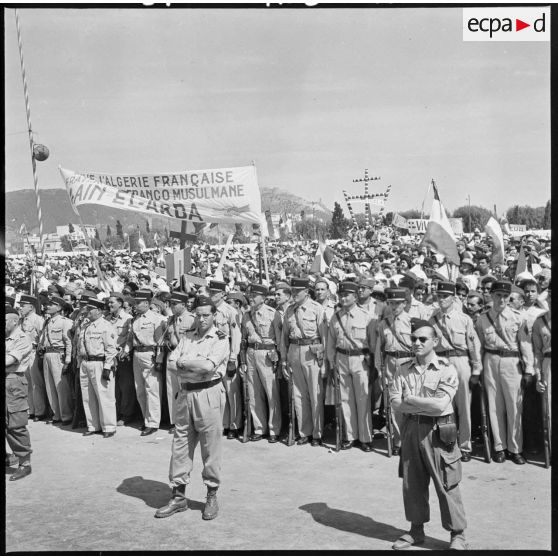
x,y
133,348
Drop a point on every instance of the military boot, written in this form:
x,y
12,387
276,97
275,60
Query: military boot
x,y
177,503
211,507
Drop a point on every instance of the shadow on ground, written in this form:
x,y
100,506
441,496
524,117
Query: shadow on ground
x,y
154,493
360,524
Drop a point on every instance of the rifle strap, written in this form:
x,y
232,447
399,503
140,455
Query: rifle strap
x,y
546,322
443,331
350,339
251,319
297,318
497,330
397,336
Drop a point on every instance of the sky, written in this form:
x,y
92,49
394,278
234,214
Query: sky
x,y
313,97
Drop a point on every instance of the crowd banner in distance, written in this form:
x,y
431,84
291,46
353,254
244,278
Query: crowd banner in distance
x,y
229,195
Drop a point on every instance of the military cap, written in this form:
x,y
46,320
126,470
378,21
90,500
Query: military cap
x,y
518,290
177,296
417,323
10,310
217,285
407,281
348,287
159,303
96,303
446,287
132,286
367,282
501,286
237,296
57,300
396,294
119,296
203,301
143,295
282,285
27,299
300,283
256,288
10,301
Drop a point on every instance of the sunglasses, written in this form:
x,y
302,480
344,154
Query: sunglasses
x,y
420,339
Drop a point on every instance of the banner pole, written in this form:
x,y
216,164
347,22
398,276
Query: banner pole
x,y
265,262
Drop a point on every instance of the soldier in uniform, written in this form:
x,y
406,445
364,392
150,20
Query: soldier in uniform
x,y
226,320
18,351
97,354
146,331
459,343
32,324
124,389
375,308
57,345
393,346
422,390
350,342
542,347
261,359
508,367
414,308
201,360
180,322
302,354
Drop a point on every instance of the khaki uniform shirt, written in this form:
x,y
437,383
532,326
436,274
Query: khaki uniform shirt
x,y
178,325
226,320
259,325
56,333
19,347
121,322
98,338
278,323
542,340
32,325
375,308
146,329
394,334
310,316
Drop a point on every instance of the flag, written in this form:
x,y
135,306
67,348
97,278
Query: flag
x,y
493,230
439,234
156,239
178,263
141,244
322,259
270,228
521,261
399,222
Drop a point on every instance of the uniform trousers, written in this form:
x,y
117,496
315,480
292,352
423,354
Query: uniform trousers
x,y
462,401
263,388
199,418
392,366
148,388
547,370
57,387
125,391
354,384
17,434
99,401
37,395
502,380
232,415
307,390
173,385
423,458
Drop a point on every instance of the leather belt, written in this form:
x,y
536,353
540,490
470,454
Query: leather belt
x,y
400,354
261,346
200,385
144,348
54,350
353,352
303,341
432,420
94,358
452,353
502,352
547,354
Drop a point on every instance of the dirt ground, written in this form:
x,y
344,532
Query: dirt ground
x,y
96,494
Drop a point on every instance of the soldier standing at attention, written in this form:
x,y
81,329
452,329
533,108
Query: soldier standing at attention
x,y
145,333
350,342
422,390
302,354
459,343
366,301
508,367
32,324
57,346
226,320
179,323
18,350
201,361
97,353
261,359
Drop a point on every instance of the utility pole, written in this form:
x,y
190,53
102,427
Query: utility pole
x,y
366,180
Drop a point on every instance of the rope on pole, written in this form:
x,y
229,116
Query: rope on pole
x,y
30,131
349,207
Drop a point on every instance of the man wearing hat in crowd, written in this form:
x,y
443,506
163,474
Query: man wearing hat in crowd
x,y
97,352
508,367
201,360
146,331
258,335
421,392
302,355
367,302
226,320
350,343
18,350
393,346
178,324
466,269
32,324
57,345
459,343
124,389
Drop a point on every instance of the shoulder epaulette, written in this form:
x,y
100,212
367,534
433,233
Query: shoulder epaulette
x,y
443,360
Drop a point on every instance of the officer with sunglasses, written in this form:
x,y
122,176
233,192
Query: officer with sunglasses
x,y
422,390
